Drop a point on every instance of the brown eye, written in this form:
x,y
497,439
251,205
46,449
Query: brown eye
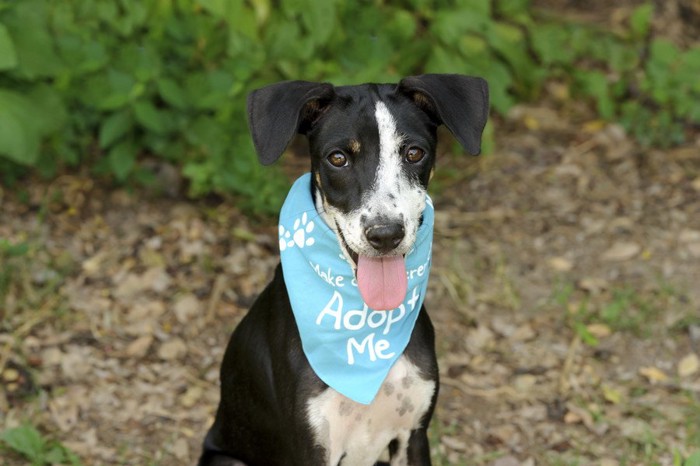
x,y
414,154
338,159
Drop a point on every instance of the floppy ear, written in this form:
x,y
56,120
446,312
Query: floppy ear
x,y
459,102
277,112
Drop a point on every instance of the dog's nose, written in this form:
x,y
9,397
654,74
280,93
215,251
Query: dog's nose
x,y
385,237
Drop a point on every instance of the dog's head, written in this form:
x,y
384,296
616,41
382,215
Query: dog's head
x,y
372,149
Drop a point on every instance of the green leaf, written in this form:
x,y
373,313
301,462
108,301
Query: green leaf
x,y
148,116
114,127
122,159
586,336
640,21
14,250
693,460
55,455
28,26
450,25
663,52
547,41
8,56
19,135
49,112
172,93
319,19
25,440
596,85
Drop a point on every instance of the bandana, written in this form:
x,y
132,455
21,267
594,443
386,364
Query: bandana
x,y
350,346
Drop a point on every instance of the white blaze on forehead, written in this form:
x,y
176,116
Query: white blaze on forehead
x,y
389,170
394,194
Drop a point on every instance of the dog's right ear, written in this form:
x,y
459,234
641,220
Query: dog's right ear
x,y
279,111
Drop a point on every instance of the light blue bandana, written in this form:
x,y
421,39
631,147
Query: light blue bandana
x,y
350,346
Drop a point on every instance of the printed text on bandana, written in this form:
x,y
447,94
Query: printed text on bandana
x,y
372,345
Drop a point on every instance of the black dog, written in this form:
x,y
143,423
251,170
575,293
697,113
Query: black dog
x,y
372,155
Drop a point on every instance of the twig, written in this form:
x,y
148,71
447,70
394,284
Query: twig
x,y
568,363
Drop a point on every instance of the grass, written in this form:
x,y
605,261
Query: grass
x,y
623,308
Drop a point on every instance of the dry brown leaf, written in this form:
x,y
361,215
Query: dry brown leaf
x,y
689,365
181,449
696,184
653,374
454,443
186,308
191,396
525,382
593,284
560,264
619,252
172,349
599,330
694,249
612,395
139,347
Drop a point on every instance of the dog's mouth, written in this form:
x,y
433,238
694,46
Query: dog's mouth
x,y
382,280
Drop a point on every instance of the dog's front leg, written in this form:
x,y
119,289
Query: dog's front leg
x,y
417,451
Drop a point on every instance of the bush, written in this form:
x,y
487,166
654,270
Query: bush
x,y
104,83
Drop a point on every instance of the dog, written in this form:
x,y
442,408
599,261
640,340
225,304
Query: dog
x,y
372,150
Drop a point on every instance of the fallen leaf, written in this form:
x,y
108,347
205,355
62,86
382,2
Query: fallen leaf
x,y
694,249
191,396
653,375
599,330
689,236
560,264
634,429
689,365
454,443
621,252
612,395
172,349
593,126
181,449
525,382
696,184
139,347
592,284
186,307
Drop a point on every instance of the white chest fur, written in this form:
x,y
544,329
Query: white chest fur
x,y
359,433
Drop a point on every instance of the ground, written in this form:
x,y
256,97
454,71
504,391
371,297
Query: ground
x,y
564,293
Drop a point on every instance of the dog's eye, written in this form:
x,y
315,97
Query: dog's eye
x,y
338,159
414,154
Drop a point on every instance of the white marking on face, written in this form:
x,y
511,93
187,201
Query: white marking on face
x,y
393,196
362,432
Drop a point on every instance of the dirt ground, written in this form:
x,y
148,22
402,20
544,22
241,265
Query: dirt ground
x,y
564,293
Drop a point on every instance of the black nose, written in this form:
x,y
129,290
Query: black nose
x,y
384,238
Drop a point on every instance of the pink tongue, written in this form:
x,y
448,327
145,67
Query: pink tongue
x,y
382,281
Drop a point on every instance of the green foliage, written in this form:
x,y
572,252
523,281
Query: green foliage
x,y
28,442
644,82
106,84
693,459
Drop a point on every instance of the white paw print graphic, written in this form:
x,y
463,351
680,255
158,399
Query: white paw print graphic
x,y
299,234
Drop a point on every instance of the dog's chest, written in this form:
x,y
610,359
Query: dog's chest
x,y
358,434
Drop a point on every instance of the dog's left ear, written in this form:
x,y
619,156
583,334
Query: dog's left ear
x,y
277,112
459,102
